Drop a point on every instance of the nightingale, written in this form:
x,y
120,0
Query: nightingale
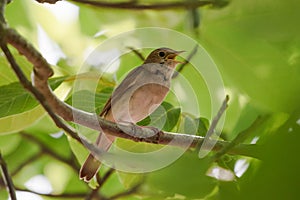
x,y
136,97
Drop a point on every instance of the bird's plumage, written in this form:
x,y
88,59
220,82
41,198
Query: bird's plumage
x,y
137,96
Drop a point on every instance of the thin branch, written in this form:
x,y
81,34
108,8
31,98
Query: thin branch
x,y
188,59
70,162
240,137
132,190
65,195
7,179
106,176
207,145
93,194
136,52
217,117
26,162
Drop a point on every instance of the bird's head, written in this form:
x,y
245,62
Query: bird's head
x,y
163,56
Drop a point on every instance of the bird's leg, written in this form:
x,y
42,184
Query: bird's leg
x,y
134,130
138,132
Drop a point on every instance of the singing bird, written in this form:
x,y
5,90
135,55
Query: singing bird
x,y
136,97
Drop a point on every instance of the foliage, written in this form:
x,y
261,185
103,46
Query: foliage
x,y
256,46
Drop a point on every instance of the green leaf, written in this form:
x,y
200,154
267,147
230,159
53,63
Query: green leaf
x,y
165,116
203,126
9,143
14,99
14,123
265,66
130,180
89,101
19,18
188,124
277,176
186,176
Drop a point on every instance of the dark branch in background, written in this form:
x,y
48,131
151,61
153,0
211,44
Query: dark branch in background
x,y
134,5
181,66
65,195
132,190
240,137
136,52
44,149
94,194
7,179
106,176
31,159
215,121
188,59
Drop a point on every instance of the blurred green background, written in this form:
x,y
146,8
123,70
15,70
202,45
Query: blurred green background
x,y
256,48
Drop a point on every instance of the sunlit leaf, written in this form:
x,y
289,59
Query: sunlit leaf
x,y
18,122
14,99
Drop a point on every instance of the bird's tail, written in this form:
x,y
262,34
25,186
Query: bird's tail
x,y
89,168
91,165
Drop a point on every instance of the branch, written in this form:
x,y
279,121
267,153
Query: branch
x,y
27,85
132,190
69,161
102,180
241,137
65,195
26,162
190,56
136,52
7,179
134,5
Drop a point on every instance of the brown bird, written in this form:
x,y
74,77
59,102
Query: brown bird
x,y
136,97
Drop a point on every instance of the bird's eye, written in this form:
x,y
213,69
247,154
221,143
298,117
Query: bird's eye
x,y
161,54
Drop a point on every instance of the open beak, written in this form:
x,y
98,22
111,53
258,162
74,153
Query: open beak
x,y
173,55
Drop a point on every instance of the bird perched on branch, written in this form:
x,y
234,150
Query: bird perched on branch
x,y
136,97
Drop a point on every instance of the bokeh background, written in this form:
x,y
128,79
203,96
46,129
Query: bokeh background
x,y
256,48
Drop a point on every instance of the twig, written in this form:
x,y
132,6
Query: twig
x,y
65,195
106,176
94,193
240,137
50,152
136,52
132,190
188,59
26,162
207,145
7,179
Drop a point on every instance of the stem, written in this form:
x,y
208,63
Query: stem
x,y
7,179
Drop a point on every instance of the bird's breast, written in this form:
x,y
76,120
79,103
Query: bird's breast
x,y
145,100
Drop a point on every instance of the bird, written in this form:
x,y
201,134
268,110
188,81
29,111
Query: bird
x,y
136,97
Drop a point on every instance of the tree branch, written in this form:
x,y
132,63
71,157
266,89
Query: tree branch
x,y
65,195
7,179
26,162
132,190
69,161
188,59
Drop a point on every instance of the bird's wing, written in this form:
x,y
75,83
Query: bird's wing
x,y
126,84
